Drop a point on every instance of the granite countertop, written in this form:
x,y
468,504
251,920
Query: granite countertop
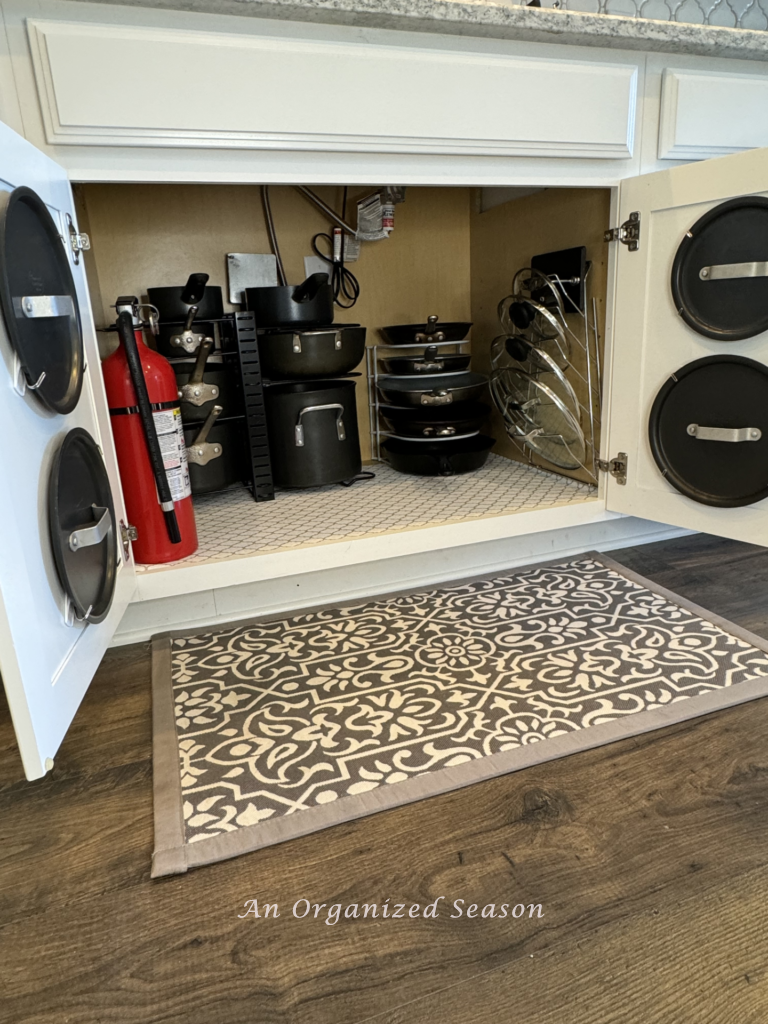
x,y
496,20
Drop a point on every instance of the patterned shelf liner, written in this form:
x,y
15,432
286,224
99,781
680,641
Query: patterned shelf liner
x,y
230,524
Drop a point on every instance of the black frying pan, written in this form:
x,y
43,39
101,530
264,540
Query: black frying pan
x,y
438,390
429,333
430,361
424,421
438,458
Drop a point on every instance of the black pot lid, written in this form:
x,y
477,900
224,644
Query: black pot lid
x,y
81,517
720,273
709,431
39,301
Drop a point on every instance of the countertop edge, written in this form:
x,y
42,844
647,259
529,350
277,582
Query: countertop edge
x,y
483,19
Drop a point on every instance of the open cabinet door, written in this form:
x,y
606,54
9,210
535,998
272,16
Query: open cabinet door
x,y
688,394
65,574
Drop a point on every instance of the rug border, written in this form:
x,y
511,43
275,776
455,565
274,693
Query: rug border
x,y
174,856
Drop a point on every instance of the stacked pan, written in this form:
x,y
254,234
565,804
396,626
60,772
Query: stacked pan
x,y
430,402
307,362
209,382
528,381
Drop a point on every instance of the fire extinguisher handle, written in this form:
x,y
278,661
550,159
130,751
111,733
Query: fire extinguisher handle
x,y
125,330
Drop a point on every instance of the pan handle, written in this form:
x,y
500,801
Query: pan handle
x,y
307,290
299,428
194,289
202,355
436,398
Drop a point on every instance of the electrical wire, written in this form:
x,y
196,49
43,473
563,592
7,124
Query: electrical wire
x,y
345,286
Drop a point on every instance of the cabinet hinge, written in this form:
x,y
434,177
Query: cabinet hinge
x,y
628,234
78,240
616,467
128,533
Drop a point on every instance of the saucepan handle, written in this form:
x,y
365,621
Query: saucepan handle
x,y
299,428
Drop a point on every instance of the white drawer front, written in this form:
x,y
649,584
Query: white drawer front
x,y
706,114
161,87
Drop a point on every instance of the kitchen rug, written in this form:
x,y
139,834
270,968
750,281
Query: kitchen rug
x,y
273,729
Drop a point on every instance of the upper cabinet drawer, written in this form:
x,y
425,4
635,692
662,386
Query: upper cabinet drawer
x,y
126,86
710,113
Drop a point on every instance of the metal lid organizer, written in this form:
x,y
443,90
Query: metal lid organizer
x,y
549,324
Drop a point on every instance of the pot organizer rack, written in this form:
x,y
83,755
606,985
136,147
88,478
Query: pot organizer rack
x,y
551,409
373,355
235,338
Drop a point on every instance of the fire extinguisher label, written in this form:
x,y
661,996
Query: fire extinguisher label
x,y
170,434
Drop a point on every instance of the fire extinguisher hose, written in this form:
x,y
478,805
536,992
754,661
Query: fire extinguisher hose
x,y
125,330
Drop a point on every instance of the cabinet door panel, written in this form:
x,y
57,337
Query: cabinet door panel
x,y
711,113
652,341
45,664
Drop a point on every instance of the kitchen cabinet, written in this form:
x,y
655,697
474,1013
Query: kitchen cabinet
x,y
516,116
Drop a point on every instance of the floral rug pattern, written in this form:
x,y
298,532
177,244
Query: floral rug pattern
x,y
273,718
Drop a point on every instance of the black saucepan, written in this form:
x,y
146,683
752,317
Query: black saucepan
x,y
312,429
174,303
216,451
439,390
430,361
446,457
426,421
309,304
203,383
428,333
293,355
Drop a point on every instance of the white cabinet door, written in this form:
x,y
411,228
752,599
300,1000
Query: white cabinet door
x,y
652,342
45,664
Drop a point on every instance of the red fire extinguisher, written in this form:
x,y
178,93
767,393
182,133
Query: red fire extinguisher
x,y
146,424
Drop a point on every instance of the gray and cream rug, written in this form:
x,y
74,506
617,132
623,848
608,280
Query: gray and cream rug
x,y
271,730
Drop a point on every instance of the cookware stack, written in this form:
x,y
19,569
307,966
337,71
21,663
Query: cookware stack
x,y
306,362
193,333
426,408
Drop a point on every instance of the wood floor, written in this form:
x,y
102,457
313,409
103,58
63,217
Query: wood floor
x,y
649,857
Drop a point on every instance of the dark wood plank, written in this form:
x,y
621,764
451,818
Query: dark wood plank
x,y
601,839
701,959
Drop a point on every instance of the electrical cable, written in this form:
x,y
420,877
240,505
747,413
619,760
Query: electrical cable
x,y
345,286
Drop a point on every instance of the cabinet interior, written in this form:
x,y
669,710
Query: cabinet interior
x,y
453,252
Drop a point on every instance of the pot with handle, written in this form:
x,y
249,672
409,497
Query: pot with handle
x,y
438,390
202,383
293,355
183,312
309,304
215,452
312,430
